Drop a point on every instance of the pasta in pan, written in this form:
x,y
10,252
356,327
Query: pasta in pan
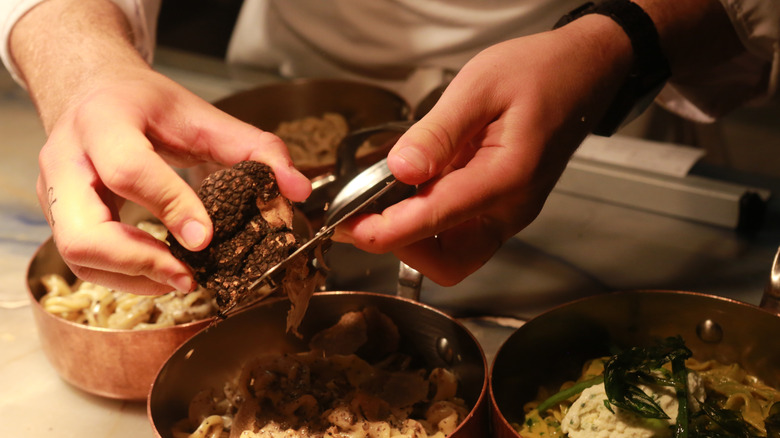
x,y
97,306
313,394
312,141
711,386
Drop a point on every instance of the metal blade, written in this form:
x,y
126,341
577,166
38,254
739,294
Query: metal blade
x,y
273,276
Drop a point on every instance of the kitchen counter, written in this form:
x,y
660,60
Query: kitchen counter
x,y
578,246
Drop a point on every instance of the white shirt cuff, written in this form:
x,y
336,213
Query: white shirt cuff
x,y
141,14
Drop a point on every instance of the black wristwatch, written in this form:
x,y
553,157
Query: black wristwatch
x,y
649,71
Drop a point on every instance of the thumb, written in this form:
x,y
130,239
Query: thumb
x,y
434,142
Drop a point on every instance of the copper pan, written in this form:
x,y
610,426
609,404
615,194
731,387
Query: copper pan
x,y
362,105
113,363
552,347
209,358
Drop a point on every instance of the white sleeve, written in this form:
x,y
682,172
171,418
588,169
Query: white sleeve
x,y
757,23
750,78
141,14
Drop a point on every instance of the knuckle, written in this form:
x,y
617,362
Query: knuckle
x,y
82,272
74,251
142,266
436,134
173,209
93,108
268,137
123,177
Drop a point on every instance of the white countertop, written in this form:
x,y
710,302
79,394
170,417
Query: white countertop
x,y
577,246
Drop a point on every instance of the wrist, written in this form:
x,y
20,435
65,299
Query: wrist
x,y
603,41
649,68
602,57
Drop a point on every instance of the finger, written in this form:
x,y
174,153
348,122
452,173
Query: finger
x,y
88,237
149,181
454,254
142,264
445,203
213,135
292,183
432,143
139,285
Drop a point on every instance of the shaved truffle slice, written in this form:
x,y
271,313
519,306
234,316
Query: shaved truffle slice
x,y
369,333
252,231
345,337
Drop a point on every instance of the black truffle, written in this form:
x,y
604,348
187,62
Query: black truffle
x,y
252,230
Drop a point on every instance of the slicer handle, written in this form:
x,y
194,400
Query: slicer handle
x,y
771,298
364,186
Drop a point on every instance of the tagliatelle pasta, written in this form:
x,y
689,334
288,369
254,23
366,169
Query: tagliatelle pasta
x,y
98,306
730,387
739,391
307,395
548,423
312,141
321,394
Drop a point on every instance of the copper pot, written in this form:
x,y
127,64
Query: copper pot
x,y
113,363
552,347
215,354
362,105
119,364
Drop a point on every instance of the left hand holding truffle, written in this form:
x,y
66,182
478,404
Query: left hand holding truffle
x,y
112,136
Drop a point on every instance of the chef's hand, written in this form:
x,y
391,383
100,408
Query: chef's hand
x,y
118,143
114,126
489,152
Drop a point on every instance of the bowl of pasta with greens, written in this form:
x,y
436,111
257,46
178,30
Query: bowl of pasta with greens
x,y
107,342
640,364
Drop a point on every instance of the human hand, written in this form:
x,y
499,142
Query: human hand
x,y
116,142
490,151
114,125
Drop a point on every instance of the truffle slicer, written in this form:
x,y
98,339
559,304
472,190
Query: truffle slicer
x,y
371,190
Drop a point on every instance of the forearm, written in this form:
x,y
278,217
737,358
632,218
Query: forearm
x,y
61,47
696,37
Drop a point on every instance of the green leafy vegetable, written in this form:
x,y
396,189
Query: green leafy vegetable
x,y
625,371
664,365
716,422
680,380
569,392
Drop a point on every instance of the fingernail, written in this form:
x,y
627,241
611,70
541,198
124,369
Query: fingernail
x,y
193,233
181,282
414,158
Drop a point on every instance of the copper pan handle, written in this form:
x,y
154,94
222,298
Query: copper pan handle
x,y
771,298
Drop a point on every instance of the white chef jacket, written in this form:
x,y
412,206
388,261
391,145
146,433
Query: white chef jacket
x,y
405,45
408,45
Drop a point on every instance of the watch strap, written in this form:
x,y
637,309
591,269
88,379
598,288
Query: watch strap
x,y
650,68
